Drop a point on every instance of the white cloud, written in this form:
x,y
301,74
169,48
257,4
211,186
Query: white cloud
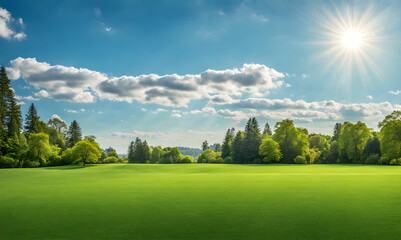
x,y
29,98
42,93
100,112
260,17
61,83
7,26
176,115
395,92
71,111
21,103
108,29
370,97
57,116
144,109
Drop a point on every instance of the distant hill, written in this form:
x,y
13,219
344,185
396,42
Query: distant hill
x,y
193,152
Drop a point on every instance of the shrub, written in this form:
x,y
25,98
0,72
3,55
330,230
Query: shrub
x,y
217,160
67,157
395,162
384,160
166,160
111,160
187,159
300,160
112,154
7,162
228,160
373,159
31,164
55,160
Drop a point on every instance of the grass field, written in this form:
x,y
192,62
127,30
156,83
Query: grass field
x,y
199,201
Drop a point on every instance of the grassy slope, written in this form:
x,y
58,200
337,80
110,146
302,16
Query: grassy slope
x,y
200,201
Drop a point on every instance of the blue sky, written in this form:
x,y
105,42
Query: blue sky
x,y
179,72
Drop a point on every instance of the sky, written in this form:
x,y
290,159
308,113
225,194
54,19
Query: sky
x,y
177,73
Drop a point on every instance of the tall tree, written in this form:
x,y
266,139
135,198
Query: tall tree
x,y
58,124
252,141
131,150
353,139
4,88
337,131
217,147
390,140
205,145
226,147
293,142
267,130
13,118
238,147
32,121
74,134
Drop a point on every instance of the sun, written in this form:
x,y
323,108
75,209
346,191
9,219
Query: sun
x,y
352,39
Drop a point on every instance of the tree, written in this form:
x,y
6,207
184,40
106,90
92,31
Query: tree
x,y
57,123
333,154
293,142
270,151
74,134
112,154
353,139
172,155
32,121
13,116
226,147
337,131
187,159
394,116
210,156
147,152
86,151
205,146
372,147
238,147
319,142
40,149
217,147
390,140
131,150
252,141
157,153
267,131
55,138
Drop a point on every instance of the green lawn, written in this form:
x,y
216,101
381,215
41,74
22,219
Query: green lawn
x,y
199,201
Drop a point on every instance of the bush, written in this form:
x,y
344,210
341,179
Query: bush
x,y
166,160
55,160
300,160
187,159
395,162
384,160
373,159
7,162
218,159
67,157
111,160
31,164
112,154
228,160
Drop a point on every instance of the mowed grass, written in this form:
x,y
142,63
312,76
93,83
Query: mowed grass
x,y
200,201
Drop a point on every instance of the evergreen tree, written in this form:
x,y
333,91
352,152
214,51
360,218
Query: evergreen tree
x,y
131,150
237,147
205,145
4,88
13,116
31,121
252,141
137,154
337,131
74,134
146,152
267,130
226,147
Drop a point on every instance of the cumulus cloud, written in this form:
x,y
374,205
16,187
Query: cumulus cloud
x,y
83,85
8,25
395,92
29,98
176,115
60,82
42,93
370,97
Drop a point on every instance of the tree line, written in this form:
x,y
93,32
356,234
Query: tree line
x,y
37,143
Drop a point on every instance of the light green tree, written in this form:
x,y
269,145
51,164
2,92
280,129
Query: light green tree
x,y
352,140
270,150
86,151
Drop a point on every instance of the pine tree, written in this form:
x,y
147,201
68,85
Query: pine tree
x,y
205,145
137,154
131,150
31,121
146,152
226,147
237,150
13,116
267,130
4,88
252,141
74,134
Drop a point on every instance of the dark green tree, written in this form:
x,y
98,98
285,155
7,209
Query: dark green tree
x,y
238,147
74,134
267,130
252,141
205,145
131,150
226,147
31,121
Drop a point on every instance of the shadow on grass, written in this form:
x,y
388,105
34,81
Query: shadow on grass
x,y
69,167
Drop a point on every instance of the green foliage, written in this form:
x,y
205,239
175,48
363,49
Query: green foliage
x,y
384,160
394,116
55,138
372,147
267,131
8,162
228,160
390,140
112,154
293,142
352,141
251,142
270,151
395,162
373,159
58,124
187,159
210,156
300,160
67,156
39,148
205,146
226,147
217,147
157,153
32,121
312,155
74,134
238,147
111,159
86,151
